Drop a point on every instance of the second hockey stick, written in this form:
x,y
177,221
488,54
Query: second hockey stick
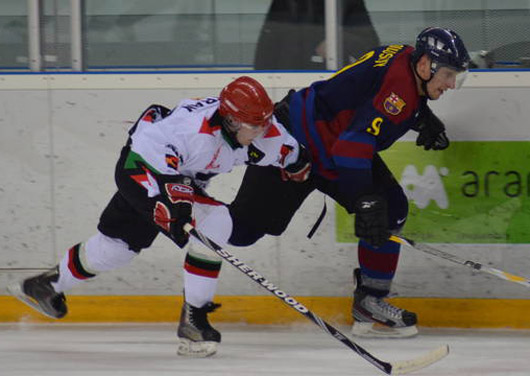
x,y
470,264
390,368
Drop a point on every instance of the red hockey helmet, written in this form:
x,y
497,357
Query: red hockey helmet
x,y
245,100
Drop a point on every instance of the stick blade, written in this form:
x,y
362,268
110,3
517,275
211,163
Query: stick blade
x,y
407,366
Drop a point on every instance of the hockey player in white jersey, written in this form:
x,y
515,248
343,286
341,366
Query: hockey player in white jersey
x,y
161,177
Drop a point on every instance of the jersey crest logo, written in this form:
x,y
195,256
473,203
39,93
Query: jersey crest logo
x,y
393,104
172,161
254,154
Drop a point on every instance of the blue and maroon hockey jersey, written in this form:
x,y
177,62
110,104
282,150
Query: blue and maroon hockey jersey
x,y
362,109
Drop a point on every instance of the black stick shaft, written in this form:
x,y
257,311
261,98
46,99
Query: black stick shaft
x,y
287,299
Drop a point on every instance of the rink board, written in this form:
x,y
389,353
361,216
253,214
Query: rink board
x,y
476,192
432,312
59,159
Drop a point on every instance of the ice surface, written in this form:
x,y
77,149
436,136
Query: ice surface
x,y
149,349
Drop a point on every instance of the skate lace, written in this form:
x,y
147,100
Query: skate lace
x,y
199,316
389,309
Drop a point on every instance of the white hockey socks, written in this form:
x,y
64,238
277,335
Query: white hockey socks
x,y
84,260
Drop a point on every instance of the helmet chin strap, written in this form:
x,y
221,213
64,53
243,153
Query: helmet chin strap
x,y
424,82
229,134
424,87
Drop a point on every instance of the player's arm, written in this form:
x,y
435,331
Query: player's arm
x,y
296,165
173,206
285,152
431,131
170,195
157,166
299,170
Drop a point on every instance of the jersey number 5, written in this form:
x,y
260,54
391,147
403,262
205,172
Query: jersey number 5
x,y
375,128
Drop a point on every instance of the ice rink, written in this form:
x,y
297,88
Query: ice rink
x,y
140,349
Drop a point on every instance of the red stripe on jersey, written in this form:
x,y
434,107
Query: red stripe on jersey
x,y
207,128
305,128
328,174
329,132
140,179
272,132
351,149
201,272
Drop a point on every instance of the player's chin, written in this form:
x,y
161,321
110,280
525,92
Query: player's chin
x,y
245,141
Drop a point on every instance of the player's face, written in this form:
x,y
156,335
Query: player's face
x,y
445,78
248,132
245,133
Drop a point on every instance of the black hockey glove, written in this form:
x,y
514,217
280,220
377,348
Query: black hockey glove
x,y
371,220
299,170
431,132
173,209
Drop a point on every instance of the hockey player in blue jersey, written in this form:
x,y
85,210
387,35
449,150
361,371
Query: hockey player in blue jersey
x,y
344,122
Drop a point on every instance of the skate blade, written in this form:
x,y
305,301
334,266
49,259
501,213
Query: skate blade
x,y
375,330
192,349
15,289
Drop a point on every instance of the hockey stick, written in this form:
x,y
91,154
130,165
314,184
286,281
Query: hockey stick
x,y
22,269
471,264
390,368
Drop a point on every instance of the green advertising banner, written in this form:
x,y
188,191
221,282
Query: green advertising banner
x,y
473,192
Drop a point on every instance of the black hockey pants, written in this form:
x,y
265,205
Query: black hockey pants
x,y
265,204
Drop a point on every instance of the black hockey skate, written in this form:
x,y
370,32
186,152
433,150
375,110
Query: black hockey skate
x,y
197,337
374,317
38,293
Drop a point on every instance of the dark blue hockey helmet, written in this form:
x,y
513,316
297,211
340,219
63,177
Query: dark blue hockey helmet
x,y
444,47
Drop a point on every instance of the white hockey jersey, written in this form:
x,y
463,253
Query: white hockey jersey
x,y
187,142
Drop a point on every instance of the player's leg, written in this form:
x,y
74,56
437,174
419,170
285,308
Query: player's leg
x,y
122,234
259,209
125,227
196,335
373,315
38,293
265,204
